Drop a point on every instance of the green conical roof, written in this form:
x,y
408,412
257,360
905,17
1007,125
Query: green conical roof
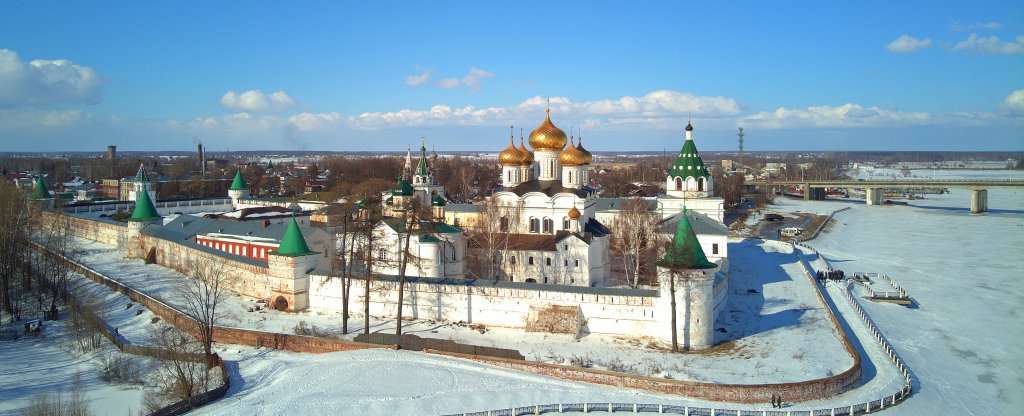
x,y
438,201
689,163
239,183
39,190
422,170
141,176
144,209
292,244
685,250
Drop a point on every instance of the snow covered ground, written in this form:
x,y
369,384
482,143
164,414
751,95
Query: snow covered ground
x,y
38,364
963,337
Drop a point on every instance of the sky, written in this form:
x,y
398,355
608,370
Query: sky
x,y
364,76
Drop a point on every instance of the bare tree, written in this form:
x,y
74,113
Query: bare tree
x,y
490,236
187,376
14,237
414,212
203,292
635,237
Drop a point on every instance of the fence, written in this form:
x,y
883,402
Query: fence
x,y
822,227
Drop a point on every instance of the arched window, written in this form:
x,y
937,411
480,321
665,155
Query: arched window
x,y
549,226
679,183
510,176
504,224
570,176
534,225
565,223
700,184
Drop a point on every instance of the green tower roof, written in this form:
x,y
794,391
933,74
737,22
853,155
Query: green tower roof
x,y
141,176
39,190
239,183
438,201
689,163
422,170
685,250
144,209
292,244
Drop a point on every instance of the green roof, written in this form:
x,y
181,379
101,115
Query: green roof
x,y
689,163
422,170
292,244
141,176
438,201
144,209
685,250
402,188
239,183
398,224
39,191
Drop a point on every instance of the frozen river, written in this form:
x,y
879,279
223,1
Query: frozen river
x,y
965,272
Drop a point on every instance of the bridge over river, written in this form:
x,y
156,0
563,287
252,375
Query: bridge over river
x,y
875,189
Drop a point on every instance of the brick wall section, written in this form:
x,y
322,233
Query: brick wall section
x,y
735,393
247,279
106,232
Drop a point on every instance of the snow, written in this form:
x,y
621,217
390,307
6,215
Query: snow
x,y
38,364
962,339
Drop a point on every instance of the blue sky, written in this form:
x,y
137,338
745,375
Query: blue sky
x,y
378,75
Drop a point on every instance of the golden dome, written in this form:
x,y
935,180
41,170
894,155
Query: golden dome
x,y
510,156
547,136
574,213
527,155
587,156
572,156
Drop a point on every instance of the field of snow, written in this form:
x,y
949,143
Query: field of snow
x,y
962,338
38,364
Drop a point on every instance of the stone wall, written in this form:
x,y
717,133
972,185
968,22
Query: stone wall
x,y
104,231
249,277
613,311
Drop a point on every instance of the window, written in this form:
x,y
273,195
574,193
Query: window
x,y
577,263
382,254
566,262
700,184
504,224
679,183
456,221
531,260
548,261
509,176
570,176
534,225
714,248
565,223
549,226
512,260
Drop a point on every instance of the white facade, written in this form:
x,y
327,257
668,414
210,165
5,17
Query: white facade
x,y
433,254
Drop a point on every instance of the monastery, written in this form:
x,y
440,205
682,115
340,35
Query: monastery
x,y
553,258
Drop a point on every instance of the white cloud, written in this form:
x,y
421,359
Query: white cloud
x,y
472,81
257,101
990,45
846,115
967,27
43,81
32,118
449,83
907,43
1014,102
314,121
422,78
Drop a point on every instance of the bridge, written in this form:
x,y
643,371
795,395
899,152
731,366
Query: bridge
x,y
815,190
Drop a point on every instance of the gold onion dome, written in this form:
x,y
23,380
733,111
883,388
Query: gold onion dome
x,y
587,156
547,136
572,156
527,154
574,213
511,156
